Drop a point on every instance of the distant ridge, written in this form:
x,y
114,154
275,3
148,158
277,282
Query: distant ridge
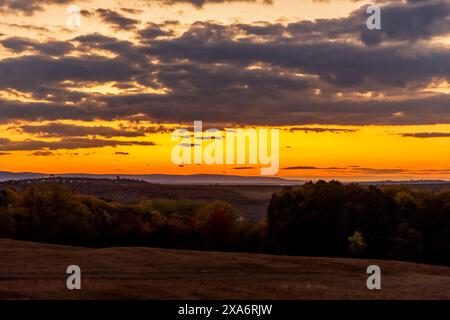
x,y
404,182
203,179
195,179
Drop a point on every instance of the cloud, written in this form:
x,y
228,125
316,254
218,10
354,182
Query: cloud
x,y
350,65
51,48
132,10
27,7
308,72
425,135
66,143
153,30
312,168
71,130
117,20
42,153
414,21
201,3
301,168
411,22
121,153
126,50
25,26
49,73
320,130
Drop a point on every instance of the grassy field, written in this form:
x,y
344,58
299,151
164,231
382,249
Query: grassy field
x,y
37,271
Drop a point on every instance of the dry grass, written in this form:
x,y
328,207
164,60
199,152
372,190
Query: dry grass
x,y
37,271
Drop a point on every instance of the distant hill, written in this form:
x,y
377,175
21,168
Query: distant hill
x,y
405,182
6,176
202,179
196,179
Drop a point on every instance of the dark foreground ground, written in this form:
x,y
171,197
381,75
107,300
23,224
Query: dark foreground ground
x,y
37,271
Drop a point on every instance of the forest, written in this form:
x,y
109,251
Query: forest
x,y
327,219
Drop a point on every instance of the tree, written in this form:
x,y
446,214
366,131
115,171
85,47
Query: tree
x,y
356,245
216,227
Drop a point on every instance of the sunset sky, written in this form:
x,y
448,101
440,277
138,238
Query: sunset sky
x,y
350,103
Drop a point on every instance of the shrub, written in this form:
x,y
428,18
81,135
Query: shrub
x,y
356,246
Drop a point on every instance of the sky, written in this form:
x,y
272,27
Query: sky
x,y
350,103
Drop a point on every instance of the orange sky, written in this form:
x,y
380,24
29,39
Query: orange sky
x,y
348,152
361,153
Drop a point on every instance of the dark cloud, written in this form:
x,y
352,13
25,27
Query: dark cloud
x,y
42,153
120,153
126,50
312,168
320,130
338,63
153,30
86,13
27,7
14,110
117,20
425,135
412,22
301,168
152,129
52,48
71,130
259,73
43,75
132,10
66,143
201,3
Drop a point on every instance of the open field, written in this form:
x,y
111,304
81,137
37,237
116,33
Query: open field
x,y
37,271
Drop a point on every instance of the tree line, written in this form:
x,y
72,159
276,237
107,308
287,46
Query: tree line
x,y
316,219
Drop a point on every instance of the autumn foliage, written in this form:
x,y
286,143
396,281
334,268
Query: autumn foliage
x,y
316,219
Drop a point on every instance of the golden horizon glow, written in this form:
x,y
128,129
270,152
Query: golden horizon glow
x,y
360,152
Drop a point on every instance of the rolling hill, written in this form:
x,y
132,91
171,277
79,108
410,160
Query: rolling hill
x,y
37,271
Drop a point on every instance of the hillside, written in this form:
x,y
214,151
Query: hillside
x,y
37,271
250,200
